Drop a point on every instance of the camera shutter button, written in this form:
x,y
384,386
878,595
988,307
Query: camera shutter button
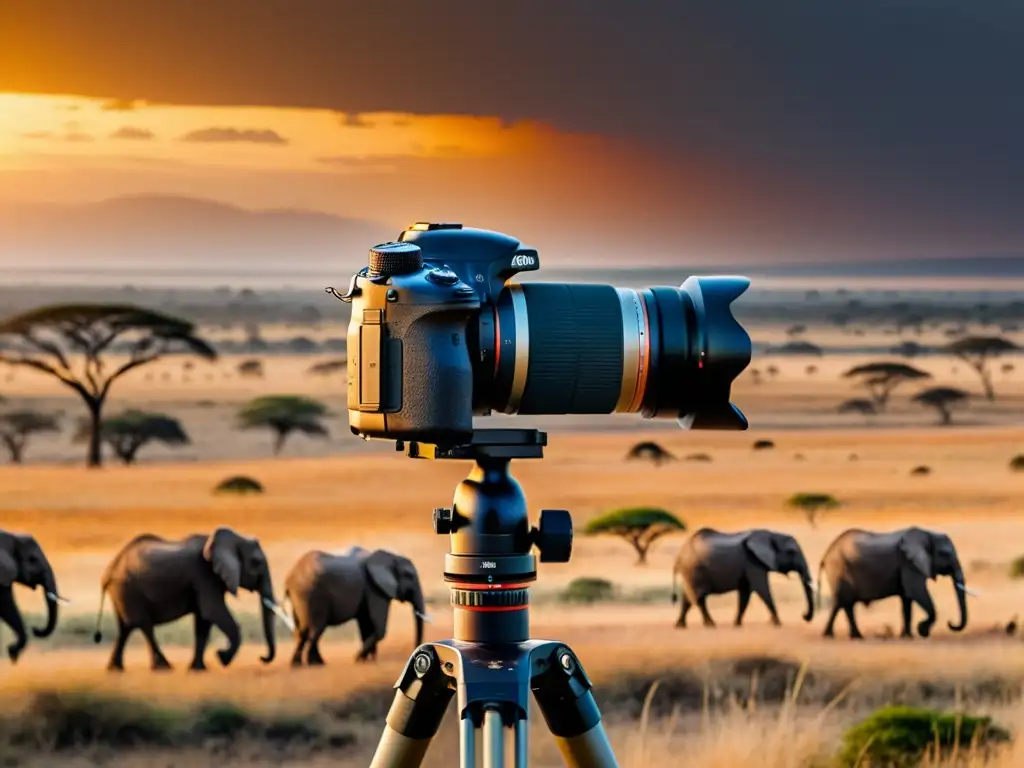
x,y
442,276
395,259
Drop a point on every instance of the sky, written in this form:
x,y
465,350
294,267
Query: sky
x,y
644,131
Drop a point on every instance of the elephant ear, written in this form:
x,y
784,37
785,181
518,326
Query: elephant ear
x,y
221,551
762,549
915,553
8,569
380,567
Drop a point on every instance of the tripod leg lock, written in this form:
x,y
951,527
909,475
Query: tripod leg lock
x,y
563,691
422,695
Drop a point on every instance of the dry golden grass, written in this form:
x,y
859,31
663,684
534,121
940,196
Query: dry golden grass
x,y
379,499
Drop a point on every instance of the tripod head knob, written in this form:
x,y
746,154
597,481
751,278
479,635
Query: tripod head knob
x,y
553,536
444,521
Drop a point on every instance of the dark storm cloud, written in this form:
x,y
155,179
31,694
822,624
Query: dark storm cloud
x,y
246,135
890,109
131,133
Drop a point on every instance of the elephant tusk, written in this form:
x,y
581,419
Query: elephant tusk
x,y
970,592
284,617
425,616
57,598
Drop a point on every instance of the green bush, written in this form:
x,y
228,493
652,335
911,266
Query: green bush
x,y
901,737
588,589
240,484
1017,567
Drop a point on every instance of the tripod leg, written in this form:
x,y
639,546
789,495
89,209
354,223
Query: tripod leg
x,y
494,739
563,694
421,698
522,737
467,743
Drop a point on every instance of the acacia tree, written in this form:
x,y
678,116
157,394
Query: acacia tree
x,y
977,351
16,427
942,399
881,378
283,415
640,526
70,342
128,432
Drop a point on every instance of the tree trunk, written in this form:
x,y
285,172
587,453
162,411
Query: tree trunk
x,y
95,455
279,437
945,414
14,448
986,383
641,546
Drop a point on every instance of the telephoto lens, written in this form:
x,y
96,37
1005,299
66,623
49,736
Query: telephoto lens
x,y
573,348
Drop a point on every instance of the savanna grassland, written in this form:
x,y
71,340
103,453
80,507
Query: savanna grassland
x,y
756,695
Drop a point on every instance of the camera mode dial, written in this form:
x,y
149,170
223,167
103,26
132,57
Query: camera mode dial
x,y
442,276
389,259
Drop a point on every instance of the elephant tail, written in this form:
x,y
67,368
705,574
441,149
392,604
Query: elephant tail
x,y
97,636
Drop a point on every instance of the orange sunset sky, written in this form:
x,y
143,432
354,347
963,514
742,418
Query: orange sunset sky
x,y
725,130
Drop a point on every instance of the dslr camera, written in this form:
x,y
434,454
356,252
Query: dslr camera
x,y
440,332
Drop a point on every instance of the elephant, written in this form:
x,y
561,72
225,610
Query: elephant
x,y
154,581
327,590
712,563
22,561
864,566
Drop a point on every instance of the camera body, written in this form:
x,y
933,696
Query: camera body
x,y
439,333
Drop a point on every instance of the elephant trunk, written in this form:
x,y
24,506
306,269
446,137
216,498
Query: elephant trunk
x,y
49,584
268,616
419,610
961,597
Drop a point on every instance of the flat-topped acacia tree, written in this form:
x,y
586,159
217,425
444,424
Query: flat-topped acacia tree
x,y
977,351
73,342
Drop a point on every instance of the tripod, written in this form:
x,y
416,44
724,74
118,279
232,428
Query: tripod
x,y
491,663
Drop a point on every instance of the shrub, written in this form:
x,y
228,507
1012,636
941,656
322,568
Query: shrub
x,y
698,457
921,470
901,737
240,484
1017,463
763,445
1017,567
588,589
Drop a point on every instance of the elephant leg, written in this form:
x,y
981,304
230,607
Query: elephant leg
x,y
908,609
759,584
830,624
685,606
301,640
124,631
851,620
11,616
702,605
157,659
225,622
744,601
313,658
924,627
368,649
202,631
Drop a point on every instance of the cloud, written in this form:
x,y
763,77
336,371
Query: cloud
x,y
132,133
122,105
354,120
220,135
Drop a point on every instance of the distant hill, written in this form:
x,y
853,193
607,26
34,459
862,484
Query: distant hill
x,y
162,232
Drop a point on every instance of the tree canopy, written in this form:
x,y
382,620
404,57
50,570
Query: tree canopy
x,y
797,348
128,432
858,405
16,427
942,399
811,504
283,415
70,342
882,377
977,351
640,526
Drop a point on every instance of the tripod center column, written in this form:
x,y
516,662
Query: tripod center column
x,y
490,565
